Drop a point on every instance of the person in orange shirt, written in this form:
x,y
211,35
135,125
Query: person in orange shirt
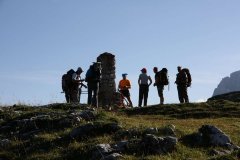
x,y
124,86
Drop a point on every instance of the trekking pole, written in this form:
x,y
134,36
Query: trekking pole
x,y
168,83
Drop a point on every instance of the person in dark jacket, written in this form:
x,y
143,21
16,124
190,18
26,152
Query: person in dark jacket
x,y
182,82
160,87
93,78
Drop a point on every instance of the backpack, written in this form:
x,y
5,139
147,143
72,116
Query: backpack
x,y
92,75
89,75
163,77
189,77
67,80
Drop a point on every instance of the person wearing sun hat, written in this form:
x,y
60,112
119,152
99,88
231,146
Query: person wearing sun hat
x,y
76,82
124,86
143,87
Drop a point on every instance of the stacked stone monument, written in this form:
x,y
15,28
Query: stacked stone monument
x,y
107,90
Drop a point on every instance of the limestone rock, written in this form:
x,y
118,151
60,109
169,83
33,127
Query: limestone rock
x,y
4,143
151,131
120,146
28,135
93,129
207,135
228,84
232,147
131,133
82,130
214,136
158,145
111,127
232,96
113,156
101,151
87,115
40,117
168,130
215,152
169,143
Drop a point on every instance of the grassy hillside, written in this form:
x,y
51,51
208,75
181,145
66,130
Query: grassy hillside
x,y
29,132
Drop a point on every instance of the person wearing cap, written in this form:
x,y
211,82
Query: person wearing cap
x,y
74,90
93,78
160,87
143,87
181,81
124,86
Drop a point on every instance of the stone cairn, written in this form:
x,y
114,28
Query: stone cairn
x,y
107,90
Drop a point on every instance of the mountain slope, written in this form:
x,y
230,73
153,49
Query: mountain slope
x,y
65,131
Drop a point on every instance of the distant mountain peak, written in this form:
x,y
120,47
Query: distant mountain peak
x,y
228,84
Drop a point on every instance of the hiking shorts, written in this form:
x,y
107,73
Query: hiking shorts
x,y
125,93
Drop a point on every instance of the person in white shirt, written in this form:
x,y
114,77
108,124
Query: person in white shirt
x,y
143,87
76,82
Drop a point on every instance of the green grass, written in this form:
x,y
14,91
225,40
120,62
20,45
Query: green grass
x,y
52,144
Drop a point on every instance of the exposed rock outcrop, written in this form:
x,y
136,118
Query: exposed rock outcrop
x,y
208,135
158,145
149,145
232,96
228,84
93,129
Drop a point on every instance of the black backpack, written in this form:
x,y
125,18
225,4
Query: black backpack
x,y
89,75
67,80
93,75
189,77
163,77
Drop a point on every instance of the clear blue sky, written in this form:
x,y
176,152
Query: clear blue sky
x,y
42,39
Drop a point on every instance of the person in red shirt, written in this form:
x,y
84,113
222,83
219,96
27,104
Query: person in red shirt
x,y
124,86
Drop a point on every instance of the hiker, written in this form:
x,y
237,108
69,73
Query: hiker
x,y
66,87
182,84
76,82
70,83
93,78
161,79
124,86
189,77
143,87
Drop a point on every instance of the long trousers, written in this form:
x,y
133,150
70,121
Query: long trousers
x,y
143,94
160,89
182,94
93,89
74,97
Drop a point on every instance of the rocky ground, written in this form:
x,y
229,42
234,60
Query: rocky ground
x,y
65,131
231,96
